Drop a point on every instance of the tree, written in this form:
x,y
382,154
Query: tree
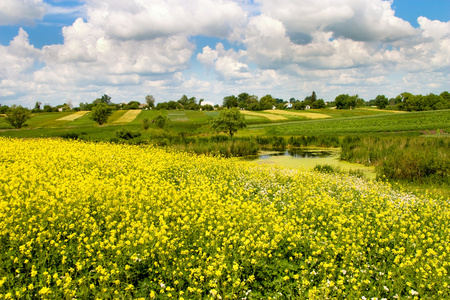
x,y
49,108
17,116
318,104
267,102
3,109
230,121
311,98
150,100
104,99
100,113
133,105
161,121
37,107
381,101
162,105
344,101
230,101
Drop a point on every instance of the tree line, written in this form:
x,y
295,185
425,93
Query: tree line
x,y
103,107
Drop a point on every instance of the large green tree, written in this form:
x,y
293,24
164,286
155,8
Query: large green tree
x,y
230,101
381,101
267,102
229,121
17,116
101,112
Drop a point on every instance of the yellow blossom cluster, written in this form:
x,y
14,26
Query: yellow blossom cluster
x,y
105,221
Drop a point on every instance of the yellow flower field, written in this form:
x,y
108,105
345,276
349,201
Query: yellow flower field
x,y
102,221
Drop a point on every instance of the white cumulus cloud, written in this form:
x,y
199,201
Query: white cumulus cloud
x,y
22,12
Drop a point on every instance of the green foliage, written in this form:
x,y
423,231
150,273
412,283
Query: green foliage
x,y
4,109
329,169
17,116
100,113
414,159
146,124
127,134
70,135
410,102
133,105
267,102
230,101
37,107
344,101
161,121
150,100
381,101
229,121
104,99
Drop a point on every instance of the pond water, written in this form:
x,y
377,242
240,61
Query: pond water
x,y
298,153
308,159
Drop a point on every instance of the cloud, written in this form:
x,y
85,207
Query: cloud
x,y
152,19
226,63
285,48
21,12
359,20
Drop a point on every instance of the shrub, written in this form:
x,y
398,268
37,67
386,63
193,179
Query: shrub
x,y
126,134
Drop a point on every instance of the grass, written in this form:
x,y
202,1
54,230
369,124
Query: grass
x,y
413,121
73,117
128,117
82,121
308,115
177,116
271,117
116,115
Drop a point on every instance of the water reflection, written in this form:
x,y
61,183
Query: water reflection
x,y
298,153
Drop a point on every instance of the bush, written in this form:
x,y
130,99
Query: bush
x,y
326,169
146,124
161,121
126,134
70,136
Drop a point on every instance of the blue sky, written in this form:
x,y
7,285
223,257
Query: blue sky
x,y
60,51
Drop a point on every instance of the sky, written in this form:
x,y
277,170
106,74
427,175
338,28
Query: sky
x,y
60,51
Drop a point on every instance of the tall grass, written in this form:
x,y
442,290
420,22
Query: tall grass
x,y
415,159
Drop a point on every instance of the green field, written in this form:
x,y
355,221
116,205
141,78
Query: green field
x,y
378,123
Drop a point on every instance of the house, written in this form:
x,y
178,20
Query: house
x,y
288,105
307,107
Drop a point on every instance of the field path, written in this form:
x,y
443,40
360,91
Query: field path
x,y
272,117
129,116
308,115
73,117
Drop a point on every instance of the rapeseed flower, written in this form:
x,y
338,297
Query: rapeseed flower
x,y
85,220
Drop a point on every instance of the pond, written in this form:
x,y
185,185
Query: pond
x,y
298,153
308,158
